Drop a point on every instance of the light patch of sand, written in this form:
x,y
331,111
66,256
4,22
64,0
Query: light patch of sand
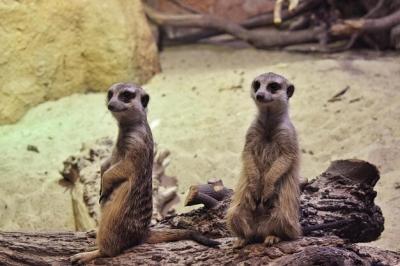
x,y
31,198
202,102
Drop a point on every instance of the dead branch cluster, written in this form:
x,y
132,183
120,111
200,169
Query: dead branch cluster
x,y
305,25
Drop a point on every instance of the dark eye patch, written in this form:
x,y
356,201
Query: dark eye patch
x,y
273,87
256,85
109,95
126,96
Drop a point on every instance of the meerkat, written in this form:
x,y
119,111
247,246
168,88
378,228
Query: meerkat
x,y
265,204
126,182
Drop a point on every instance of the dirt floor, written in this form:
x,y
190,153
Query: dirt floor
x,y
201,106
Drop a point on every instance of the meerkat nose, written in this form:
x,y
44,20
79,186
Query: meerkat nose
x,y
260,97
111,107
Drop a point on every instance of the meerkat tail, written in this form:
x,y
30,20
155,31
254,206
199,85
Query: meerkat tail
x,y
170,235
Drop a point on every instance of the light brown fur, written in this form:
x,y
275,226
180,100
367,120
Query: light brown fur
x,y
126,182
265,205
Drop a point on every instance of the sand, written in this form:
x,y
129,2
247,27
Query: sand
x,y
202,107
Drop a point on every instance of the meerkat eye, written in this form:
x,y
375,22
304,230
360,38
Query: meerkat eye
x,y
273,87
256,85
109,95
126,96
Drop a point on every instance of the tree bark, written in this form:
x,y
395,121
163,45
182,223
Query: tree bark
x,y
55,249
337,210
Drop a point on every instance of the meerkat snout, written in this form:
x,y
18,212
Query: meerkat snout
x,y
114,106
263,97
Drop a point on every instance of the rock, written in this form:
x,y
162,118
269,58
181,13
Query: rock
x,y
32,148
52,49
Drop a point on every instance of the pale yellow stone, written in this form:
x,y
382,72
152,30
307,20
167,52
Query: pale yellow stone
x,y
50,49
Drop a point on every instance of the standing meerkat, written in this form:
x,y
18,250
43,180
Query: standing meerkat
x,y
126,182
265,205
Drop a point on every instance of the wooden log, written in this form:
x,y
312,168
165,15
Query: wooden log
x,y
349,27
251,23
339,204
366,22
269,39
39,249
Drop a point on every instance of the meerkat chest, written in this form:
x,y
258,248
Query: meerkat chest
x,y
266,153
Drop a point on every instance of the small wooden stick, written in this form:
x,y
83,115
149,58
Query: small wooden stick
x,y
208,194
195,197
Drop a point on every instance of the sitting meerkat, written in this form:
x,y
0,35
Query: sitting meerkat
x,y
265,204
126,182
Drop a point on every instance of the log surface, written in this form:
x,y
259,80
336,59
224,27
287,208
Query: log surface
x,y
56,248
337,208
339,202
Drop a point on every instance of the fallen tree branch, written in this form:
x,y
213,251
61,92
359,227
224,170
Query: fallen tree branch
x,y
372,22
349,27
197,20
268,39
372,13
251,23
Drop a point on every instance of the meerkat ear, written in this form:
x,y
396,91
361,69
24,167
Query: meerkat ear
x,y
145,100
290,91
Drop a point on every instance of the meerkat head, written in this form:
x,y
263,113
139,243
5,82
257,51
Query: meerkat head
x,y
271,90
127,102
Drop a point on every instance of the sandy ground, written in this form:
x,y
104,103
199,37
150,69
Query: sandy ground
x,y
202,106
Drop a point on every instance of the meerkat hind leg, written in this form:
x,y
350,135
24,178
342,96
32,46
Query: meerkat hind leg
x,y
82,258
271,239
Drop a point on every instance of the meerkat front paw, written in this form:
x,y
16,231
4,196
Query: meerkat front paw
x,y
267,194
250,201
270,240
84,257
79,259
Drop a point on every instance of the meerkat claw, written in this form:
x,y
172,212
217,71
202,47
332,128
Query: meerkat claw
x,y
82,258
78,259
271,240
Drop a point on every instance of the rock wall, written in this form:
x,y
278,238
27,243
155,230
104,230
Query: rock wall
x,y
50,49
